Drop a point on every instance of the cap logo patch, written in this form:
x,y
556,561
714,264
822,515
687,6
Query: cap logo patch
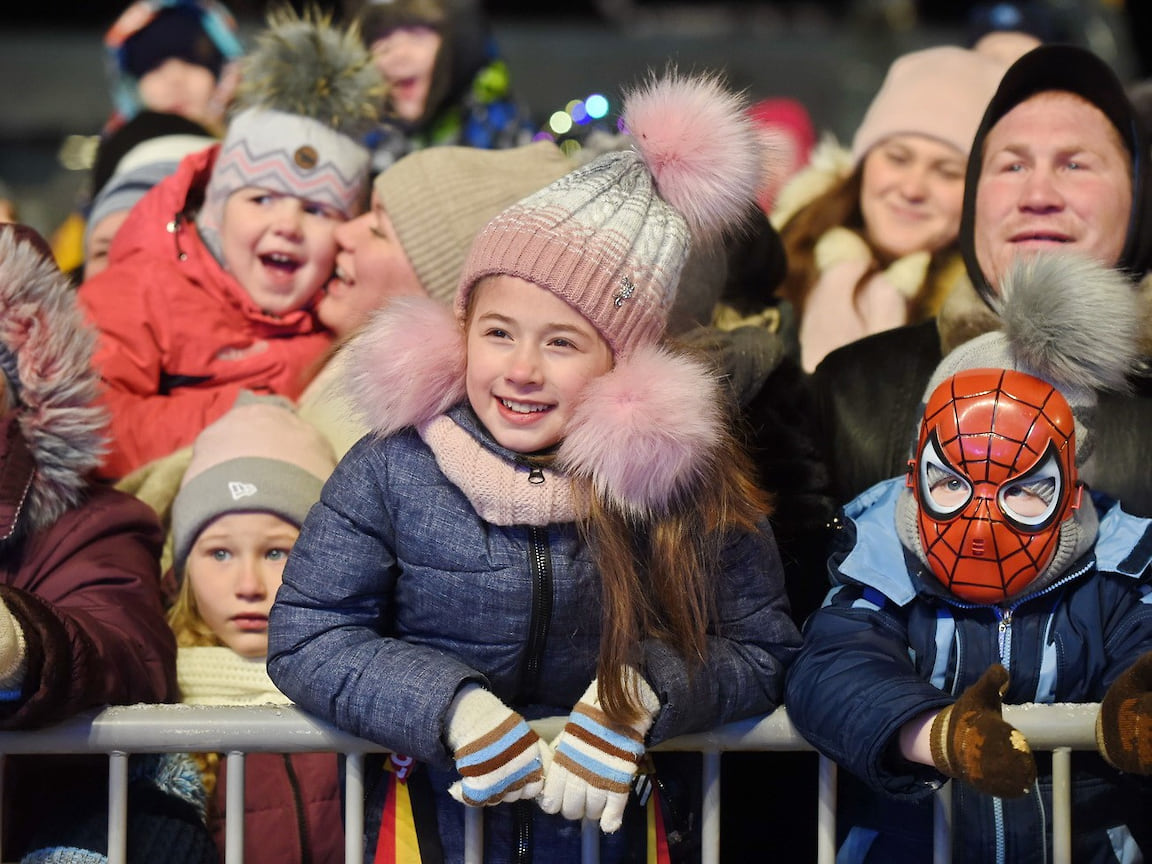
x,y
627,289
306,157
240,490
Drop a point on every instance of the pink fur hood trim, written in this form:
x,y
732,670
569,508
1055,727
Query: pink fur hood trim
x,y
644,433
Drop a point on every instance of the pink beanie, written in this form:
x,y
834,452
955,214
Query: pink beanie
x,y
938,92
611,237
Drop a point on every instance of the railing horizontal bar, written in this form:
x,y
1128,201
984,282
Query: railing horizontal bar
x,y
287,729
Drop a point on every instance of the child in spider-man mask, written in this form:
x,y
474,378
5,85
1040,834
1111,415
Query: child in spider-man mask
x,y
990,574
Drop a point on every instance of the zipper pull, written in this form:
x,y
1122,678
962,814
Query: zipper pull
x,y
535,476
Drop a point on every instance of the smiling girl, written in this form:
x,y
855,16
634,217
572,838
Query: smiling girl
x,y
551,517
252,477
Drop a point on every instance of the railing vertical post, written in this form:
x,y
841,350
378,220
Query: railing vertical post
x,y
826,812
590,841
942,825
473,835
234,810
354,808
710,822
117,807
1062,805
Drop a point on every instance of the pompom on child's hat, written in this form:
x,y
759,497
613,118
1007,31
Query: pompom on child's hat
x,y
940,93
259,457
610,239
308,95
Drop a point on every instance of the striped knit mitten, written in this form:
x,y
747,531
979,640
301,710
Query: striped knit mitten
x,y
499,757
595,759
1124,725
971,741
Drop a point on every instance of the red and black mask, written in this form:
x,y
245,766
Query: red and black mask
x,y
995,477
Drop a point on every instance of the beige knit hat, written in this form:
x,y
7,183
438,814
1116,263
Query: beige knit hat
x,y
439,198
259,457
938,92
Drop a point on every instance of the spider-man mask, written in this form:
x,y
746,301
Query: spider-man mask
x,y
994,477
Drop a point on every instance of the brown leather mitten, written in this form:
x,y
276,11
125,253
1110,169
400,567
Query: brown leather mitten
x,y
1124,725
971,741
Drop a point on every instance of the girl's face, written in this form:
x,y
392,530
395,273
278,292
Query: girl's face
x,y
280,248
234,569
371,268
530,355
405,58
911,194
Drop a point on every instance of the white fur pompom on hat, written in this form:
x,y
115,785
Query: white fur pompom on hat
x,y
696,139
641,431
407,366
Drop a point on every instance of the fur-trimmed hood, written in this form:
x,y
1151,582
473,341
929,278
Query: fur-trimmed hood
x,y
644,433
830,163
42,329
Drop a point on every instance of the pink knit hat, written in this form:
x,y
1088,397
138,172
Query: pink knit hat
x,y
938,92
611,237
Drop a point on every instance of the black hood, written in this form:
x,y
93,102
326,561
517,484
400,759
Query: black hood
x,y
1074,70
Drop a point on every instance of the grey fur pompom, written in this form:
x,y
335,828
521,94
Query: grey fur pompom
x,y
1071,321
304,64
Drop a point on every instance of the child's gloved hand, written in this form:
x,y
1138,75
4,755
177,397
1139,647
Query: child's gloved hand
x,y
971,741
497,753
1124,725
596,758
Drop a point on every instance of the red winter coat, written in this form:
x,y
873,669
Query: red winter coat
x,y
179,337
292,809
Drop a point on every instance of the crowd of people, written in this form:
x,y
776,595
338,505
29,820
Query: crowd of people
x,y
342,391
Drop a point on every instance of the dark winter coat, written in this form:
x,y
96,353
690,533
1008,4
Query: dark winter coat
x,y
888,645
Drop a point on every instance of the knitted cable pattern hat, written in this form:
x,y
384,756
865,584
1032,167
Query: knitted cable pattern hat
x,y
308,94
940,93
1066,320
610,239
259,457
439,198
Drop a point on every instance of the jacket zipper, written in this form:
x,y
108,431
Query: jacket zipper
x,y
1004,647
540,562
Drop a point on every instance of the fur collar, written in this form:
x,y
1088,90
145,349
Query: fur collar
x,y
43,328
829,163
644,433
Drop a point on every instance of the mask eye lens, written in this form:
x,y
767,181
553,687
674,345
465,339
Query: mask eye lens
x,y
943,492
1031,500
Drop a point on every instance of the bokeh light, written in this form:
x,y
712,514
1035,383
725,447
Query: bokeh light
x,y
560,122
596,106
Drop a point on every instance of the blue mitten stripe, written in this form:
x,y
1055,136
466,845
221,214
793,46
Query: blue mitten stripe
x,y
593,765
485,793
497,747
615,739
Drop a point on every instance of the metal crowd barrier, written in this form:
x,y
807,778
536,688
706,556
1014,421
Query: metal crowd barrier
x,y
235,731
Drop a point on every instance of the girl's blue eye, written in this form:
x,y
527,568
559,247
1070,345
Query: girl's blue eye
x,y
276,554
220,554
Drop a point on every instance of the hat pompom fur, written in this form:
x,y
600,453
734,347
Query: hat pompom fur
x,y
700,147
408,364
303,64
640,430
1071,321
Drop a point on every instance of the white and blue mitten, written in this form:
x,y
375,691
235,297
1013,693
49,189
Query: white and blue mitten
x,y
594,759
13,655
497,754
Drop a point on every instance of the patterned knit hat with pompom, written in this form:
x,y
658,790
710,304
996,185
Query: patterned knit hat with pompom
x,y
308,94
610,239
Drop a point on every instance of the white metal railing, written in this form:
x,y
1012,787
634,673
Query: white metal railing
x,y
235,731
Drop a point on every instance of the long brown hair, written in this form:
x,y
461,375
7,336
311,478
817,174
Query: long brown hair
x,y
658,578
